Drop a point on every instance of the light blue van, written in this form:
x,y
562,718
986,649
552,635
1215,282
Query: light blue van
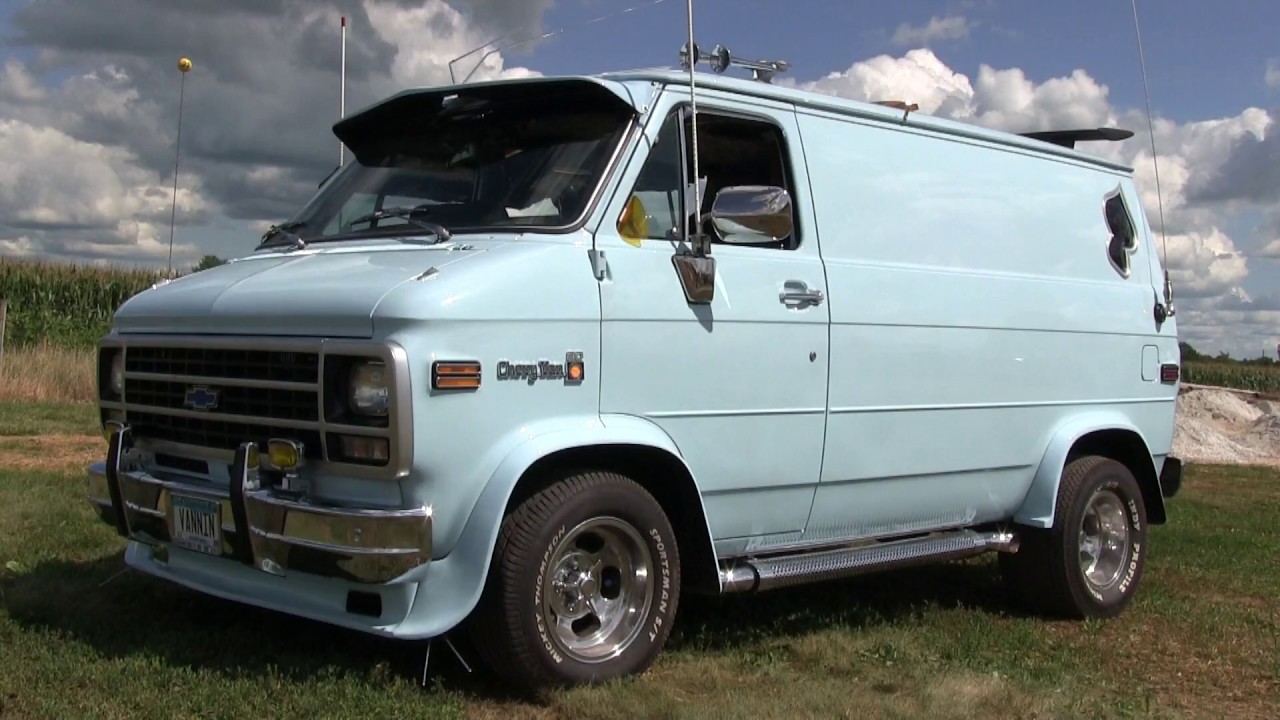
x,y
498,375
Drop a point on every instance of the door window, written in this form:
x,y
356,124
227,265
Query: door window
x,y
732,150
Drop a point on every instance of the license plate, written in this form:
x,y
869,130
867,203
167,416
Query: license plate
x,y
197,524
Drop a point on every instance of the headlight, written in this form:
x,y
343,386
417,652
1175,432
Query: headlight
x,y
117,373
368,390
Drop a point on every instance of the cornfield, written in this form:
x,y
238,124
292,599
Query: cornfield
x,y
1259,378
64,305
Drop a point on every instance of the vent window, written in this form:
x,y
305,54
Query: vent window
x,y
1123,239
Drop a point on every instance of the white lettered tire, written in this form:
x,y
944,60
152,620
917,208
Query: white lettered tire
x,y
1089,564
583,586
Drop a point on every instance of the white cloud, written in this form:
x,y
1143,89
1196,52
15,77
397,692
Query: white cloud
x,y
421,62
917,77
1206,264
953,27
64,196
1271,250
1004,99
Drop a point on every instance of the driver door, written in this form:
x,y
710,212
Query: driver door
x,y
738,383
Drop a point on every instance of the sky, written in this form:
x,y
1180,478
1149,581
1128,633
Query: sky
x,y
89,96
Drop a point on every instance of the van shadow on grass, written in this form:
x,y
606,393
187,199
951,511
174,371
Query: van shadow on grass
x,y
133,615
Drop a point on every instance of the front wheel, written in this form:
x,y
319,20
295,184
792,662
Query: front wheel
x,y
1090,562
583,586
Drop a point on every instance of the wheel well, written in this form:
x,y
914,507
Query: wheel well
x,y
1127,448
660,473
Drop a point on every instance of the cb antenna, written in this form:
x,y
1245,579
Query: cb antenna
x,y
1155,161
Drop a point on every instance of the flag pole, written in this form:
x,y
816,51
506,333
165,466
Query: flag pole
x,y
342,102
184,66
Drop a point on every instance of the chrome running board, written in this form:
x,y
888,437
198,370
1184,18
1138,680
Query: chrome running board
x,y
767,573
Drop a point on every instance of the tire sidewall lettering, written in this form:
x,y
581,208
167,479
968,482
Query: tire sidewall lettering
x,y
661,603
539,619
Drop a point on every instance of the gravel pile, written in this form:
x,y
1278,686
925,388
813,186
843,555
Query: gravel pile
x,y
1216,426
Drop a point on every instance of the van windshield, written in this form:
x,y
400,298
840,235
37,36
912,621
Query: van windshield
x,y
505,163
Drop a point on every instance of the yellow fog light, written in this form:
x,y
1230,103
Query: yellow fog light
x,y
284,454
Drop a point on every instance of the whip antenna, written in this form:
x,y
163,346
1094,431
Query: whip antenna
x,y
1155,161
693,114
543,36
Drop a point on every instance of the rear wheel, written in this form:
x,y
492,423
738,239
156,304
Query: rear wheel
x,y
1090,562
583,586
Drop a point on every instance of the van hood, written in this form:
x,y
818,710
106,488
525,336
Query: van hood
x,y
329,291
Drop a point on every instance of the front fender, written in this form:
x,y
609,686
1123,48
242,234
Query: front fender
x,y
1041,501
452,585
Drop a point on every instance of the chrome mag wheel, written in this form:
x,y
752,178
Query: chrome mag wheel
x,y
599,589
1104,540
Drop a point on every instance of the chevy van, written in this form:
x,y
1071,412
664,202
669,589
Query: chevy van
x,y
515,370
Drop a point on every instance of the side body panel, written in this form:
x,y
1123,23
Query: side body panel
x,y
974,312
521,301
739,384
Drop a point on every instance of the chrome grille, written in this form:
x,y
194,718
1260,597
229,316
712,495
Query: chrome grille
x,y
269,402
219,397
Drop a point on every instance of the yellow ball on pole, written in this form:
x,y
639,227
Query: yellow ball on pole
x,y
184,64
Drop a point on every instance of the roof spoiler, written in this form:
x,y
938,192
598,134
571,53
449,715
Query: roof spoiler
x,y
1069,138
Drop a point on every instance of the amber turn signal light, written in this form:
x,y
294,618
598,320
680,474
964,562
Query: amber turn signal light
x,y
455,375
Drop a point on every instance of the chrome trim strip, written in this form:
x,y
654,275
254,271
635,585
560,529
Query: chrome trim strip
x,y
224,381
224,417
331,547
995,405
358,430
733,413
266,498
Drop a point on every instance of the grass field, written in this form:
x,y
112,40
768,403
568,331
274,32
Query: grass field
x,y
80,639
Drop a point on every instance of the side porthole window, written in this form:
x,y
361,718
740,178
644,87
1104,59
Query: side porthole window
x,y
1123,240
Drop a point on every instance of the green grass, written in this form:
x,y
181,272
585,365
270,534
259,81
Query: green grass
x,y
80,639
32,418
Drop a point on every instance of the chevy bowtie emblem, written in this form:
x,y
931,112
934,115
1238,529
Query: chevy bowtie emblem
x,y
200,397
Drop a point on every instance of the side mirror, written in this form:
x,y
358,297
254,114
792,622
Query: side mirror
x,y
749,214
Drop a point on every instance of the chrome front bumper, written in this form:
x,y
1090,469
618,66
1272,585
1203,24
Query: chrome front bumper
x,y
283,533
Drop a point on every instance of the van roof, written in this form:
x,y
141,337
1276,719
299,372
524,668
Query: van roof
x,y
856,108
624,85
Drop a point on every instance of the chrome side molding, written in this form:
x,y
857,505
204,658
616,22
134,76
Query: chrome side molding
x,y
767,573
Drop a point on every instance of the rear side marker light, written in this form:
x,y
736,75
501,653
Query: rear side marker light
x,y
464,375
1169,373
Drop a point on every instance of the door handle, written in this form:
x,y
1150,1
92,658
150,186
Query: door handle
x,y
796,292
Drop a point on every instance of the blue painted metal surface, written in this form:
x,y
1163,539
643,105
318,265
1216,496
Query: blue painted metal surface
x,y
972,328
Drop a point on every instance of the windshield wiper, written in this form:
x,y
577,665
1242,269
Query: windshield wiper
x,y
406,213
285,229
